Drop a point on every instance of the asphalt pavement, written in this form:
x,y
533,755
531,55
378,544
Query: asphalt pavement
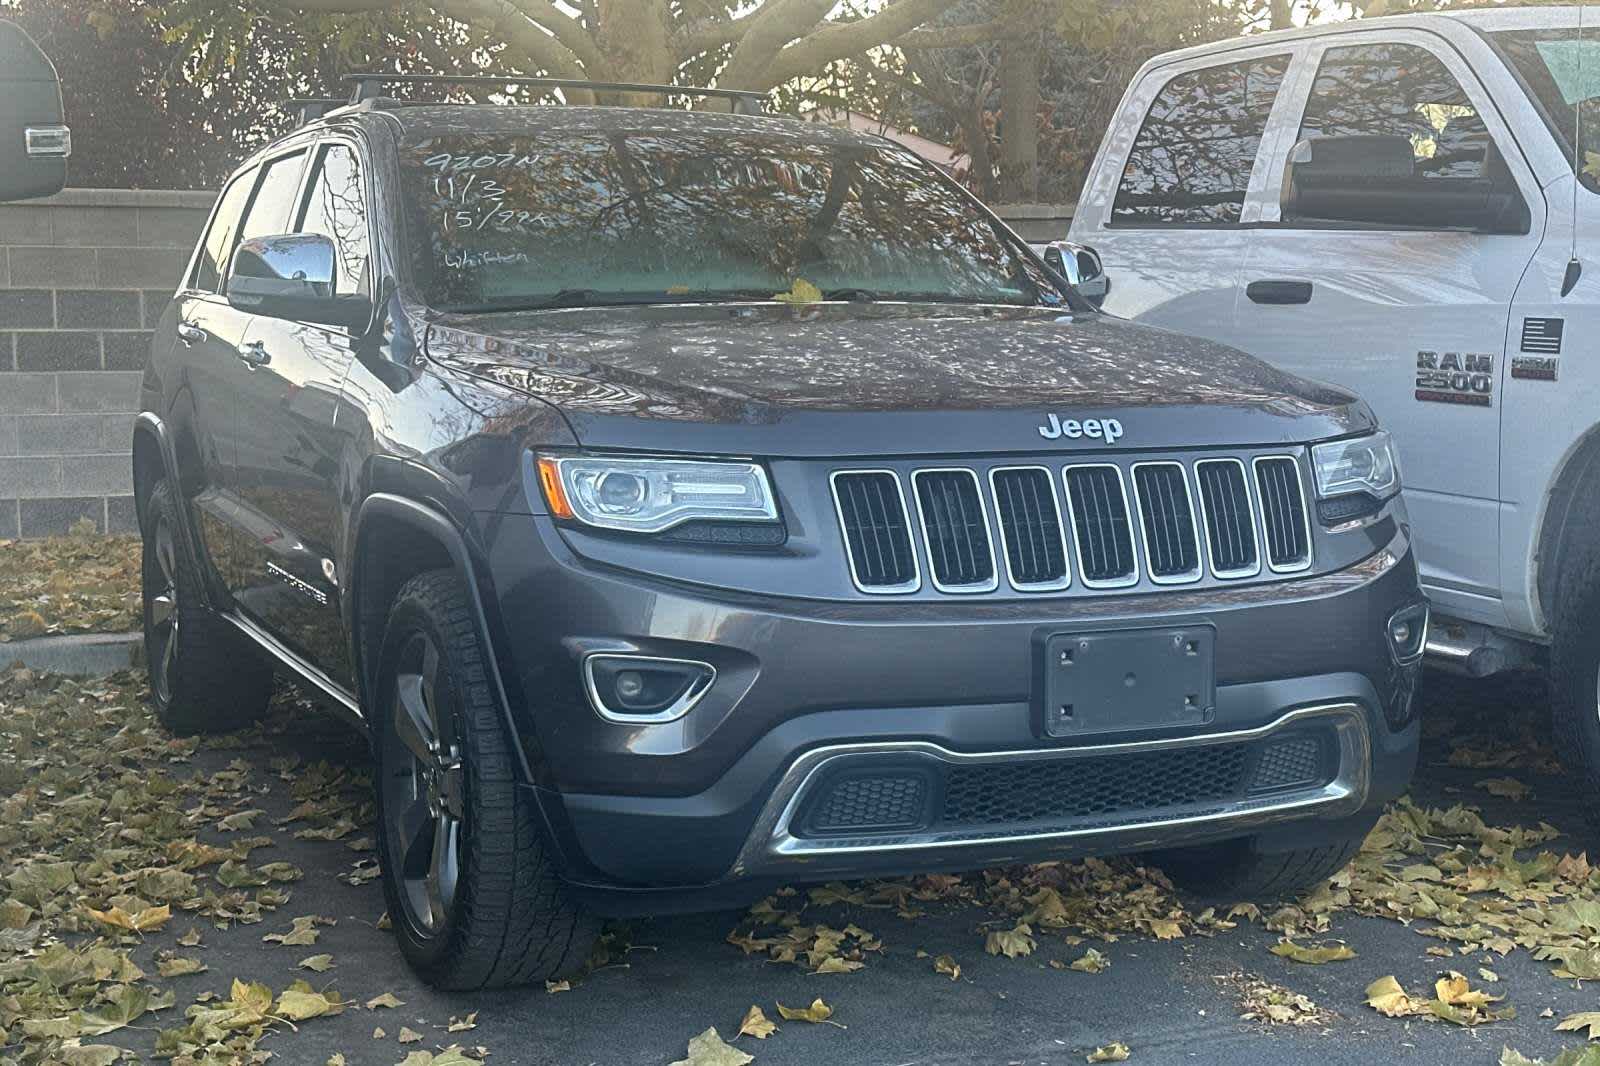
x,y
1174,1001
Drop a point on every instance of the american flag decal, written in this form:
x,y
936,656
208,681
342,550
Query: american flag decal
x,y
1542,335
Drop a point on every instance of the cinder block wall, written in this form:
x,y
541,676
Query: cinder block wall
x,y
83,277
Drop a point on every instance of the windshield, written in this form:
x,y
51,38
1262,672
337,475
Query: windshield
x,y
1563,72
595,217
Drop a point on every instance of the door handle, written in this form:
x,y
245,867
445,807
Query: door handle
x,y
191,334
1279,292
254,354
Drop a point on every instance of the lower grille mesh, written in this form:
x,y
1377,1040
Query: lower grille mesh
x,y
878,801
1082,788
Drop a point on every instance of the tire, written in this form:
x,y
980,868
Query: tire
x,y
1575,686
203,676
473,894
1236,870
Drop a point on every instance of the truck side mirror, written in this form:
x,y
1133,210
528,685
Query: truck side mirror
x,y
34,139
1374,179
1080,266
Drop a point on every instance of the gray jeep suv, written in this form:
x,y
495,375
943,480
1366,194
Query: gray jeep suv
x,y
687,503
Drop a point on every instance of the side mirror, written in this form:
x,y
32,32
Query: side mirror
x,y
34,139
1375,179
1080,266
292,276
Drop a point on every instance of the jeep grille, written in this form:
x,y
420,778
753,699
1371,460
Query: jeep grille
x,y
1117,524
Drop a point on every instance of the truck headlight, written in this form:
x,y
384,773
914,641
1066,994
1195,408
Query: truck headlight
x,y
1360,464
652,495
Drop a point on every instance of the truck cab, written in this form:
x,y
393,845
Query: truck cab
x,y
1408,207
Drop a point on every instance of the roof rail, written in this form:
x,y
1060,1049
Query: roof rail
x,y
311,108
367,85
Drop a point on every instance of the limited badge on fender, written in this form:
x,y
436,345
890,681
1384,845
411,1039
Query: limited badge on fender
x,y
1454,377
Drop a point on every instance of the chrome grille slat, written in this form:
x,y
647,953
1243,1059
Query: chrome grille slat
x,y
1166,512
1229,518
955,529
872,515
1032,539
1102,530
1283,513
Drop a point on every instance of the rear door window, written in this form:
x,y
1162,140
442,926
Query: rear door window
x,y
1399,90
207,275
1191,162
274,200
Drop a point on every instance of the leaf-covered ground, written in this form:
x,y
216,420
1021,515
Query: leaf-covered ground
x,y
213,902
79,583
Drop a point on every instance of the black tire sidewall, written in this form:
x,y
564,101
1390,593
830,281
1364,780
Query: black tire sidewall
x,y
1574,674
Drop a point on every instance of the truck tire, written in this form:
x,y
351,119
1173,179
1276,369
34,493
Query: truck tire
x,y
1235,870
1575,684
473,894
203,676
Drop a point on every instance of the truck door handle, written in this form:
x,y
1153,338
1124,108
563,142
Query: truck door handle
x,y
191,334
1279,292
255,354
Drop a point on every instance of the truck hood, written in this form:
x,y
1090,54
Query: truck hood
x,y
841,379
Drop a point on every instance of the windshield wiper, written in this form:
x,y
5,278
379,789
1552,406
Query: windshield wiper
x,y
855,295
559,298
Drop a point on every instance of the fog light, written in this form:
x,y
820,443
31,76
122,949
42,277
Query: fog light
x,y
1408,633
638,689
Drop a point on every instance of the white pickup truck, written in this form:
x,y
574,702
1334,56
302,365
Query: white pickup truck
x,y
1408,206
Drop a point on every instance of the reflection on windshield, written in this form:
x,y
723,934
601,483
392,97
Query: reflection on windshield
x,y
596,217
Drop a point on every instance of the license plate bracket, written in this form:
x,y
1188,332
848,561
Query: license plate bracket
x,y
1128,680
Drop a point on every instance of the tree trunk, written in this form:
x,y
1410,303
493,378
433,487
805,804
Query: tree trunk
x,y
975,132
1020,61
633,38
1282,14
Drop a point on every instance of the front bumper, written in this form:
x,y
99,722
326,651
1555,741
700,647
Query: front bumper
x,y
705,811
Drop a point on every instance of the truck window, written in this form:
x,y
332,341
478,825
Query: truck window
x,y
1191,163
1562,71
336,208
1399,89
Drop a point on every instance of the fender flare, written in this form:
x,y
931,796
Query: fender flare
x,y
150,424
435,525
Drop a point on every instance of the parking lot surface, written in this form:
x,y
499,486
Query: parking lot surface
x,y
1176,983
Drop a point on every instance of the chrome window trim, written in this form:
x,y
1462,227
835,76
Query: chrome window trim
x,y
1250,504
771,844
844,534
677,709
1065,581
1190,491
927,544
1305,513
1077,544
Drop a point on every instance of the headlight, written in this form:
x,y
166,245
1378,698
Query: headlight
x,y
651,495
1361,464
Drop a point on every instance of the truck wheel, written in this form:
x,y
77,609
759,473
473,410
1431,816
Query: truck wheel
x,y
472,892
1235,870
1575,686
203,677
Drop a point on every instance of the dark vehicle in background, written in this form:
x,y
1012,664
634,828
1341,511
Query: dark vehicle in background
x,y
689,503
34,139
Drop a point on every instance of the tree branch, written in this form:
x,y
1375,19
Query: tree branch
x,y
978,33
540,48
566,29
705,34
776,23
839,40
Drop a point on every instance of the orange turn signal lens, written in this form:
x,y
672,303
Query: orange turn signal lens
x,y
554,494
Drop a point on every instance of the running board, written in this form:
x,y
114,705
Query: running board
x,y
304,672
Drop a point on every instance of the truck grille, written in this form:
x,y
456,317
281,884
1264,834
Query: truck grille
x,y
872,512
1186,521
1167,516
1230,522
1283,513
955,530
1030,527
1100,523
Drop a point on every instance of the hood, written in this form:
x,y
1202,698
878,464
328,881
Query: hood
x,y
843,379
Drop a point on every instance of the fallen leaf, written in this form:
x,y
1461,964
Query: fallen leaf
x,y
1091,961
1505,787
385,1000
1312,955
1116,1051
1012,943
818,1012
178,966
756,1024
409,1036
553,987
946,964
709,1049
144,920
801,293
461,1025
1586,1020
1387,997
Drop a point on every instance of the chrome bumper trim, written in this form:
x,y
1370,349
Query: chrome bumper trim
x,y
771,845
